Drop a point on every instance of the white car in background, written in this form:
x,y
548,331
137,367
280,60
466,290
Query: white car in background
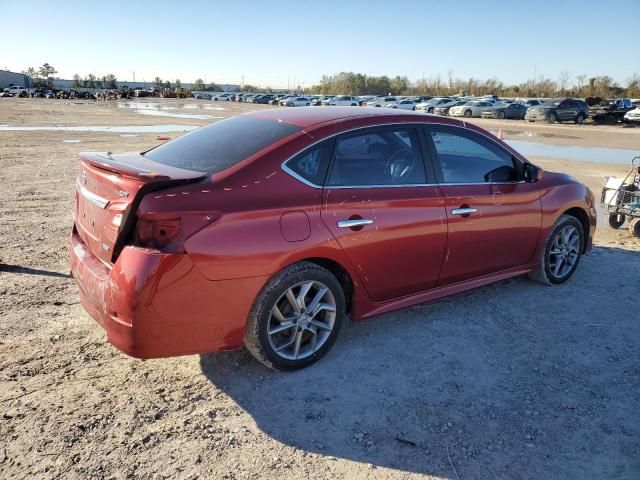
x,y
429,105
381,101
298,102
632,117
15,90
472,109
222,97
402,104
342,101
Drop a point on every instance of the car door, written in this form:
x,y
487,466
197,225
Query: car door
x,y
567,110
493,216
386,216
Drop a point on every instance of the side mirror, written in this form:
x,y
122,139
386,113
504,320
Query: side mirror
x,y
532,174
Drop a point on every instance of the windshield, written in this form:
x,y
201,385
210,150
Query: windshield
x,y
218,146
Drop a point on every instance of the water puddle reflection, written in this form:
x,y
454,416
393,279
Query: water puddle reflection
x,y
569,152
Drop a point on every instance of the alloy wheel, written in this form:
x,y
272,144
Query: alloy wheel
x,y
565,251
302,320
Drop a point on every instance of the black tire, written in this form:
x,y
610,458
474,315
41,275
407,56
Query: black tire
x,y
634,227
468,113
543,274
501,115
580,119
430,110
616,221
256,336
552,118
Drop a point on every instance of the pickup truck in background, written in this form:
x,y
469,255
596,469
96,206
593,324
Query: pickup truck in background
x,y
610,111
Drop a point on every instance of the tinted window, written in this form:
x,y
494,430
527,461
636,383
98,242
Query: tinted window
x,y
312,164
379,157
220,145
468,158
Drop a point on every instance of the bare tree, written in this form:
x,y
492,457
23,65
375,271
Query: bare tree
x,y
563,81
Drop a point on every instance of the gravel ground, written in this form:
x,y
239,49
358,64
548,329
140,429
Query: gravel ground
x,y
513,380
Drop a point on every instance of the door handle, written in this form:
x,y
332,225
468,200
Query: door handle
x,y
463,211
358,222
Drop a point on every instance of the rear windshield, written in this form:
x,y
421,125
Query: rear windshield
x,y
218,146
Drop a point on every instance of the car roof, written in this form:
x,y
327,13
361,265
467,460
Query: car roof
x,y
306,117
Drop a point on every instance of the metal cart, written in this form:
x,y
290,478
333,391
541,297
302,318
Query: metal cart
x,y
621,199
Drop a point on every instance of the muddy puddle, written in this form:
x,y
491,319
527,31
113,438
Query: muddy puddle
x,y
569,152
159,109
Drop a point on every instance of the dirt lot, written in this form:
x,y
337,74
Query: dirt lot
x,y
510,381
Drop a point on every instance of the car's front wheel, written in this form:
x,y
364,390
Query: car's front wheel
x,y
296,318
467,113
552,118
561,254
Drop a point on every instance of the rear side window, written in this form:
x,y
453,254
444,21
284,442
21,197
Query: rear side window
x,y
312,164
378,157
218,146
468,158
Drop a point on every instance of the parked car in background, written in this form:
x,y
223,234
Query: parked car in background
x,y
429,105
202,96
443,108
263,99
298,102
381,101
222,97
532,102
172,263
283,100
317,101
363,99
559,110
470,109
342,101
402,104
15,90
512,111
610,111
632,117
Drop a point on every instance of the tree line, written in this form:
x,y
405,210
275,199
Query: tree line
x,y
349,83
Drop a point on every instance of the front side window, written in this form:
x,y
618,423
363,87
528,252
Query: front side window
x,y
466,157
380,157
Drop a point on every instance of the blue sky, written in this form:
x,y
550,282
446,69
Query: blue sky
x,y
279,41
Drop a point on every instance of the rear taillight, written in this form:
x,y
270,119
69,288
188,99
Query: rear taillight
x,y
167,232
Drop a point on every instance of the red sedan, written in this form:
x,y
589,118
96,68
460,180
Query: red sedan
x,y
268,229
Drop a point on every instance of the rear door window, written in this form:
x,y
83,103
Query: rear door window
x,y
312,164
378,157
218,146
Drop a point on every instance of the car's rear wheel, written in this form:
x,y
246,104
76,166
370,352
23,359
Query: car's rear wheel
x,y
634,227
296,317
616,221
561,253
552,118
467,113
580,119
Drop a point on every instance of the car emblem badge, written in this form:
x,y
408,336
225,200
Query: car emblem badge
x,y
123,194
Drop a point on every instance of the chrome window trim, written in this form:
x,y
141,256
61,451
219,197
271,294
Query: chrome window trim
x,y
286,169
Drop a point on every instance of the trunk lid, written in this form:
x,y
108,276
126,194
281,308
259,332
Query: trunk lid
x,y
108,190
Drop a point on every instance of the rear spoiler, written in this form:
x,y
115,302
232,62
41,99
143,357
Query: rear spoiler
x,y
136,165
